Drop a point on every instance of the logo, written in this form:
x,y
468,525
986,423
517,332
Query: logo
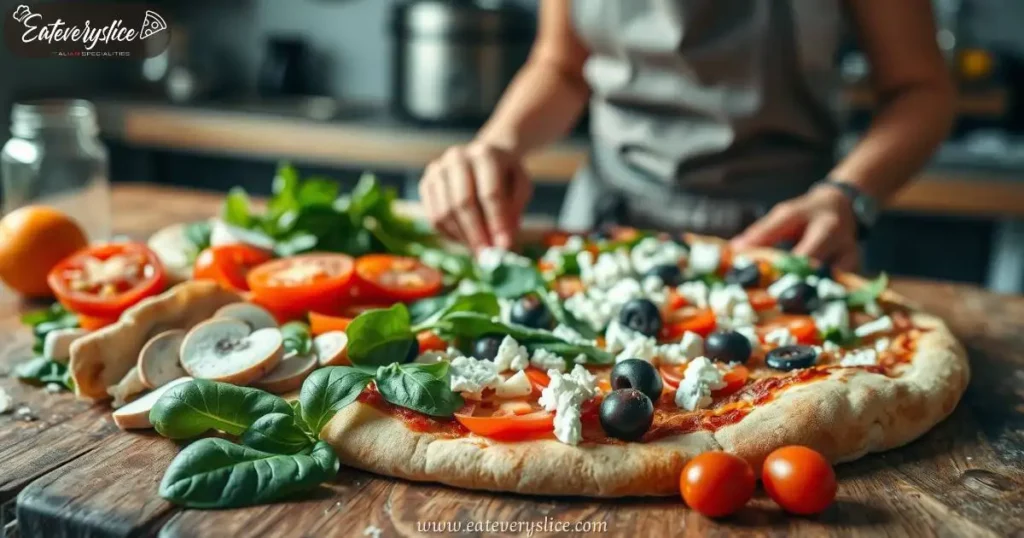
x,y
77,29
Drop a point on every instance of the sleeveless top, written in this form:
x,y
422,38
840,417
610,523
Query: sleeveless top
x,y
704,112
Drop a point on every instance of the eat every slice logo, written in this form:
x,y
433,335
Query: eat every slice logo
x,y
78,29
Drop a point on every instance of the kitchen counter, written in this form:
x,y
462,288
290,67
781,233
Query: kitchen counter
x,y
71,472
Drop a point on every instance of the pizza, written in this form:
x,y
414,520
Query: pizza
x,y
152,24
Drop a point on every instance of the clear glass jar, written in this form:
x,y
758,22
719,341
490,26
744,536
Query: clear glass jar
x,y
55,158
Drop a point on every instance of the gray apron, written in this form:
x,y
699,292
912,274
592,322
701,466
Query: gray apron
x,y
704,112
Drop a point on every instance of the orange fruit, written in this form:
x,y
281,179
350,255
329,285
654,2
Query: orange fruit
x,y
32,240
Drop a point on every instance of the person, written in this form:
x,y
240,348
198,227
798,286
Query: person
x,y
705,114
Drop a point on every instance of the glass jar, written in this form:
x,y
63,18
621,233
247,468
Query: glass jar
x,y
55,158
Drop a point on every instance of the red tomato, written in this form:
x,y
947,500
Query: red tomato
x,y
674,301
761,300
734,379
538,378
555,239
717,484
799,479
672,375
387,278
311,282
430,341
90,323
322,323
802,328
702,323
228,265
103,281
567,286
507,426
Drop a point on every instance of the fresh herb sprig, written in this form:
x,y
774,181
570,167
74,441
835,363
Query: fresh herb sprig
x,y
42,370
868,293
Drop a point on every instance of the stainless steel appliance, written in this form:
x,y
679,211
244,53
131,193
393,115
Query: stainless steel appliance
x,y
453,59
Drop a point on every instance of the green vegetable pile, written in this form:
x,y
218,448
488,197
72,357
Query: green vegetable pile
x,y
40,369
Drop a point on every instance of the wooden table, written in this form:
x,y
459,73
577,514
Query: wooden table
x,y
74,474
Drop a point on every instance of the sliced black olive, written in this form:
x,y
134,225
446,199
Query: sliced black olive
x,y
642,316
486,347
727,346
748,276
791,357
626,414
671,275
637,374
530,311
801,298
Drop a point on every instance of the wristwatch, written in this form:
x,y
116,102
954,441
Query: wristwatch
x,y
866,208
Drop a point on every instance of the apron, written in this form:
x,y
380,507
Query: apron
x,y
704,113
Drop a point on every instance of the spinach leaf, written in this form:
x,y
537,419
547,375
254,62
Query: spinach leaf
x,y
421,387
513,281
838,336
236,209
41,371
565,317
297,337
328,390
795,265
277,433
868,293
215,473
53,318
481,302
194,407
381,336
198,235
428,308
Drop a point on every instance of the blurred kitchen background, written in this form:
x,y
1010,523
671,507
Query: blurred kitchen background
x,y
342,86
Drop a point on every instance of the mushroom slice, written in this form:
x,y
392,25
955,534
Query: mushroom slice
x,y
256,316
126,389
289,374
331,348
225,350
158,360
135,416
57,345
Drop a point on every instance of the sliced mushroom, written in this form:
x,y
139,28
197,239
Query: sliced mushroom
x,y
135,416
57,345
128,388
331,348
226,350
171,245
289,374
256,316
158,360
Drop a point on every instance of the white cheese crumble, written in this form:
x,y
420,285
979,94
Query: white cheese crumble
x,y
556,254
505,309
689,347
782,284
6,402
490,258
564,395
471,376
644,348
610,268
740,261
511,355
731,306
654,289
704,258
546,360
880,325
831,347
570,335
651,252
860,357
617,336
831,316
516,386
586,309
701,377
829,289
695,292
882,344
780,337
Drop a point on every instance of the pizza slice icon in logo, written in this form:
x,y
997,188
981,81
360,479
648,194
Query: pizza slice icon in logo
x,y
153,24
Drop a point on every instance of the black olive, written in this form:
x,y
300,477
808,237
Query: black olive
x,y
727,346
642,316
530,311
626,414
669,274
748,276
637,374
486,347
791,357
801,298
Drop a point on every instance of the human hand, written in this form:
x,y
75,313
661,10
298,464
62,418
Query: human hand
x,y
821,221
476,194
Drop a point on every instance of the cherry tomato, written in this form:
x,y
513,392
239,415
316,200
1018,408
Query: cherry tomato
x,y
507,426
311,282
228,265
322,323
802,328
90,323
703,323
104,280
430,341
387,278
538,378
761,300
799,479
717,484
734,379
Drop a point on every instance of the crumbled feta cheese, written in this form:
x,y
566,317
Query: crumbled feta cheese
x,y
689,347
654,289
610,268
744,314
723,298
587,309
831,316
6,402
471,376
880,325
511,355
651,252
556,254
740,261
53,388
860,357
780,337
546,360
882,344
580,359
564,395
704,258
643,348
831,347
490,258
695,292
701,377
782,284
570,335
751,333
516,386
829,289
617,337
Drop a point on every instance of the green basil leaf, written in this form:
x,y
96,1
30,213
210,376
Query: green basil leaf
x,y
317,191
40,371
198,235
457,266
328,390
277,433
236,209
215,473
381,336
194,407
795,265
420,387
297,337
565,317
481,302
285,189
514,281
868,293
425,309
841,337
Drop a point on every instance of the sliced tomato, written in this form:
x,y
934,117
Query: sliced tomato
x,y
567,286
430,341
735,379
556,239
672,374
802,328
104,280
91,323
507,427
228,265
761,300
674,301
538,378
701,322
383,277
322,323
311,282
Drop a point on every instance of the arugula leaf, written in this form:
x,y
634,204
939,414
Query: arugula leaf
x,y
513,281
236,209
328,390
421,387
40,371
277,433
381,336
868,293
297,337
194,407
795,265
215,473
565,317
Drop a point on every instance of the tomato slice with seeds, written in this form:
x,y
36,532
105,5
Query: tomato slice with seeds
x,y
387,278
506,426
323,323
310,282
228,265
702,322
104,280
